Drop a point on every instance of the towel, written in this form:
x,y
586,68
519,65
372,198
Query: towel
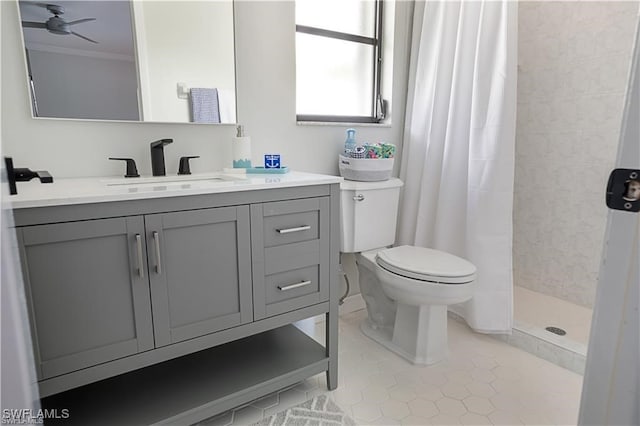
x,y
227,105
204,105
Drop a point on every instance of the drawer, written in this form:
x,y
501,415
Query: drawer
x,y
290,268
295,276
291,256
289,222
292,284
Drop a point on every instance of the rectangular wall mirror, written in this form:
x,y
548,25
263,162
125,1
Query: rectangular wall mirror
x,y
138,60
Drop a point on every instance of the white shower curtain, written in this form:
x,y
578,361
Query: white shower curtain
x,y
459,143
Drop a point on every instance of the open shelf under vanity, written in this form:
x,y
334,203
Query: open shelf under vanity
x,y
198,385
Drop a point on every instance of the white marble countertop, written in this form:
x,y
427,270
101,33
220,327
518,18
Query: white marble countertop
x,y
104,189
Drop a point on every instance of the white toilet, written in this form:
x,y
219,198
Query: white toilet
x,y
406,289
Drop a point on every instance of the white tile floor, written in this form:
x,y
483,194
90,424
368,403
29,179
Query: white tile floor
x,y
485,381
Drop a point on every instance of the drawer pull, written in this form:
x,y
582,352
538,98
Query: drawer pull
x,y
140,259
292,286
296,229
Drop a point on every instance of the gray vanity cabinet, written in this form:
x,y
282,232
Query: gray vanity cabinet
x,y
170,310
200,272
89,293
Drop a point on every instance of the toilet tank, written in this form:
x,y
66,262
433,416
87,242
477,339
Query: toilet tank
x,y
369,211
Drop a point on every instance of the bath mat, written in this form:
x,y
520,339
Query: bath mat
x,y
319,411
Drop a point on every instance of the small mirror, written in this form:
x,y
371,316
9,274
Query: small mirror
x,y
140,60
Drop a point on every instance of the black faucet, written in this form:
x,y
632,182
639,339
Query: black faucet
x,y
23,175
132,170
157,156
184,168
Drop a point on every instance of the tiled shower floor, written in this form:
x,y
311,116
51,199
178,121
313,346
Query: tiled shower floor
x,y
540,310
533,312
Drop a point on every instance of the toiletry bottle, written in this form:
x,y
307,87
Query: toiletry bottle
x,y
241,148
350,143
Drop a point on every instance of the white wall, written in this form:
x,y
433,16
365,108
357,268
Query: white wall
x,y
573,63
265,62
69,85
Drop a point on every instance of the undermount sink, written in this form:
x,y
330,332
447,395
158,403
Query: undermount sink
x,y
173,180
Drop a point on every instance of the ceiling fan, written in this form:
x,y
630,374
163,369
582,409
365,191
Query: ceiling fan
x,y
56,24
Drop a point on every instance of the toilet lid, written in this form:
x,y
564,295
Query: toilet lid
x,y
426,264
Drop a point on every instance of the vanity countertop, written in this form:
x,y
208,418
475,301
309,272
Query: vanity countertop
x,y
104,189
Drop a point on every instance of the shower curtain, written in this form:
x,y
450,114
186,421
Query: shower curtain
x,y
459,143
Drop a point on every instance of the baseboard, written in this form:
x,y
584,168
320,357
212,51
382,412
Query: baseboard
x,y
352,303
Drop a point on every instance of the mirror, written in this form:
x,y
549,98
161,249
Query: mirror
x,y
140,60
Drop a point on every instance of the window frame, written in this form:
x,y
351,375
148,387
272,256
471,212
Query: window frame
x,y
379,105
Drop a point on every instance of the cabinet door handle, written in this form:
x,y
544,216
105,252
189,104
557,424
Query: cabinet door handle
x,y
292,286
140,260
296,229
156,243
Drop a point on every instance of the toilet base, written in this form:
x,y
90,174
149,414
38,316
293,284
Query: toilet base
x,y
419,334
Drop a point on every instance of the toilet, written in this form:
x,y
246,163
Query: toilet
x,y
406,289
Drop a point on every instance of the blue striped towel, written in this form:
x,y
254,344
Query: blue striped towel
x,y
204,105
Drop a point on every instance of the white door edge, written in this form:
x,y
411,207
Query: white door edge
x,y
610,392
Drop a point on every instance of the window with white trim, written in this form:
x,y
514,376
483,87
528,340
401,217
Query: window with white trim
x,y
339,60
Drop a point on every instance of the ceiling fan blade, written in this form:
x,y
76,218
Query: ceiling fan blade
x,y
81,36
30,24
79,21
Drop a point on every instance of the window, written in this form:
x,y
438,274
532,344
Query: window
x,y
339,60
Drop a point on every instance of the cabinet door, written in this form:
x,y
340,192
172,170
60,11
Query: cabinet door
x,y
200,272
88,292
290,251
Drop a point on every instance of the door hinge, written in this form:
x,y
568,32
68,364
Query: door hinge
x,y
623,190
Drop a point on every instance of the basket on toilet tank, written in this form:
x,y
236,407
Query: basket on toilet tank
x,y
365,169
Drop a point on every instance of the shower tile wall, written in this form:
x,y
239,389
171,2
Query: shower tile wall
x,y
572,74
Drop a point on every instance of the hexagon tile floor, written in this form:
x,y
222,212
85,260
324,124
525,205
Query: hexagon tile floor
x,y
484,381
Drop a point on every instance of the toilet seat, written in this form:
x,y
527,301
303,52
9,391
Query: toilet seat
x,y
426,264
